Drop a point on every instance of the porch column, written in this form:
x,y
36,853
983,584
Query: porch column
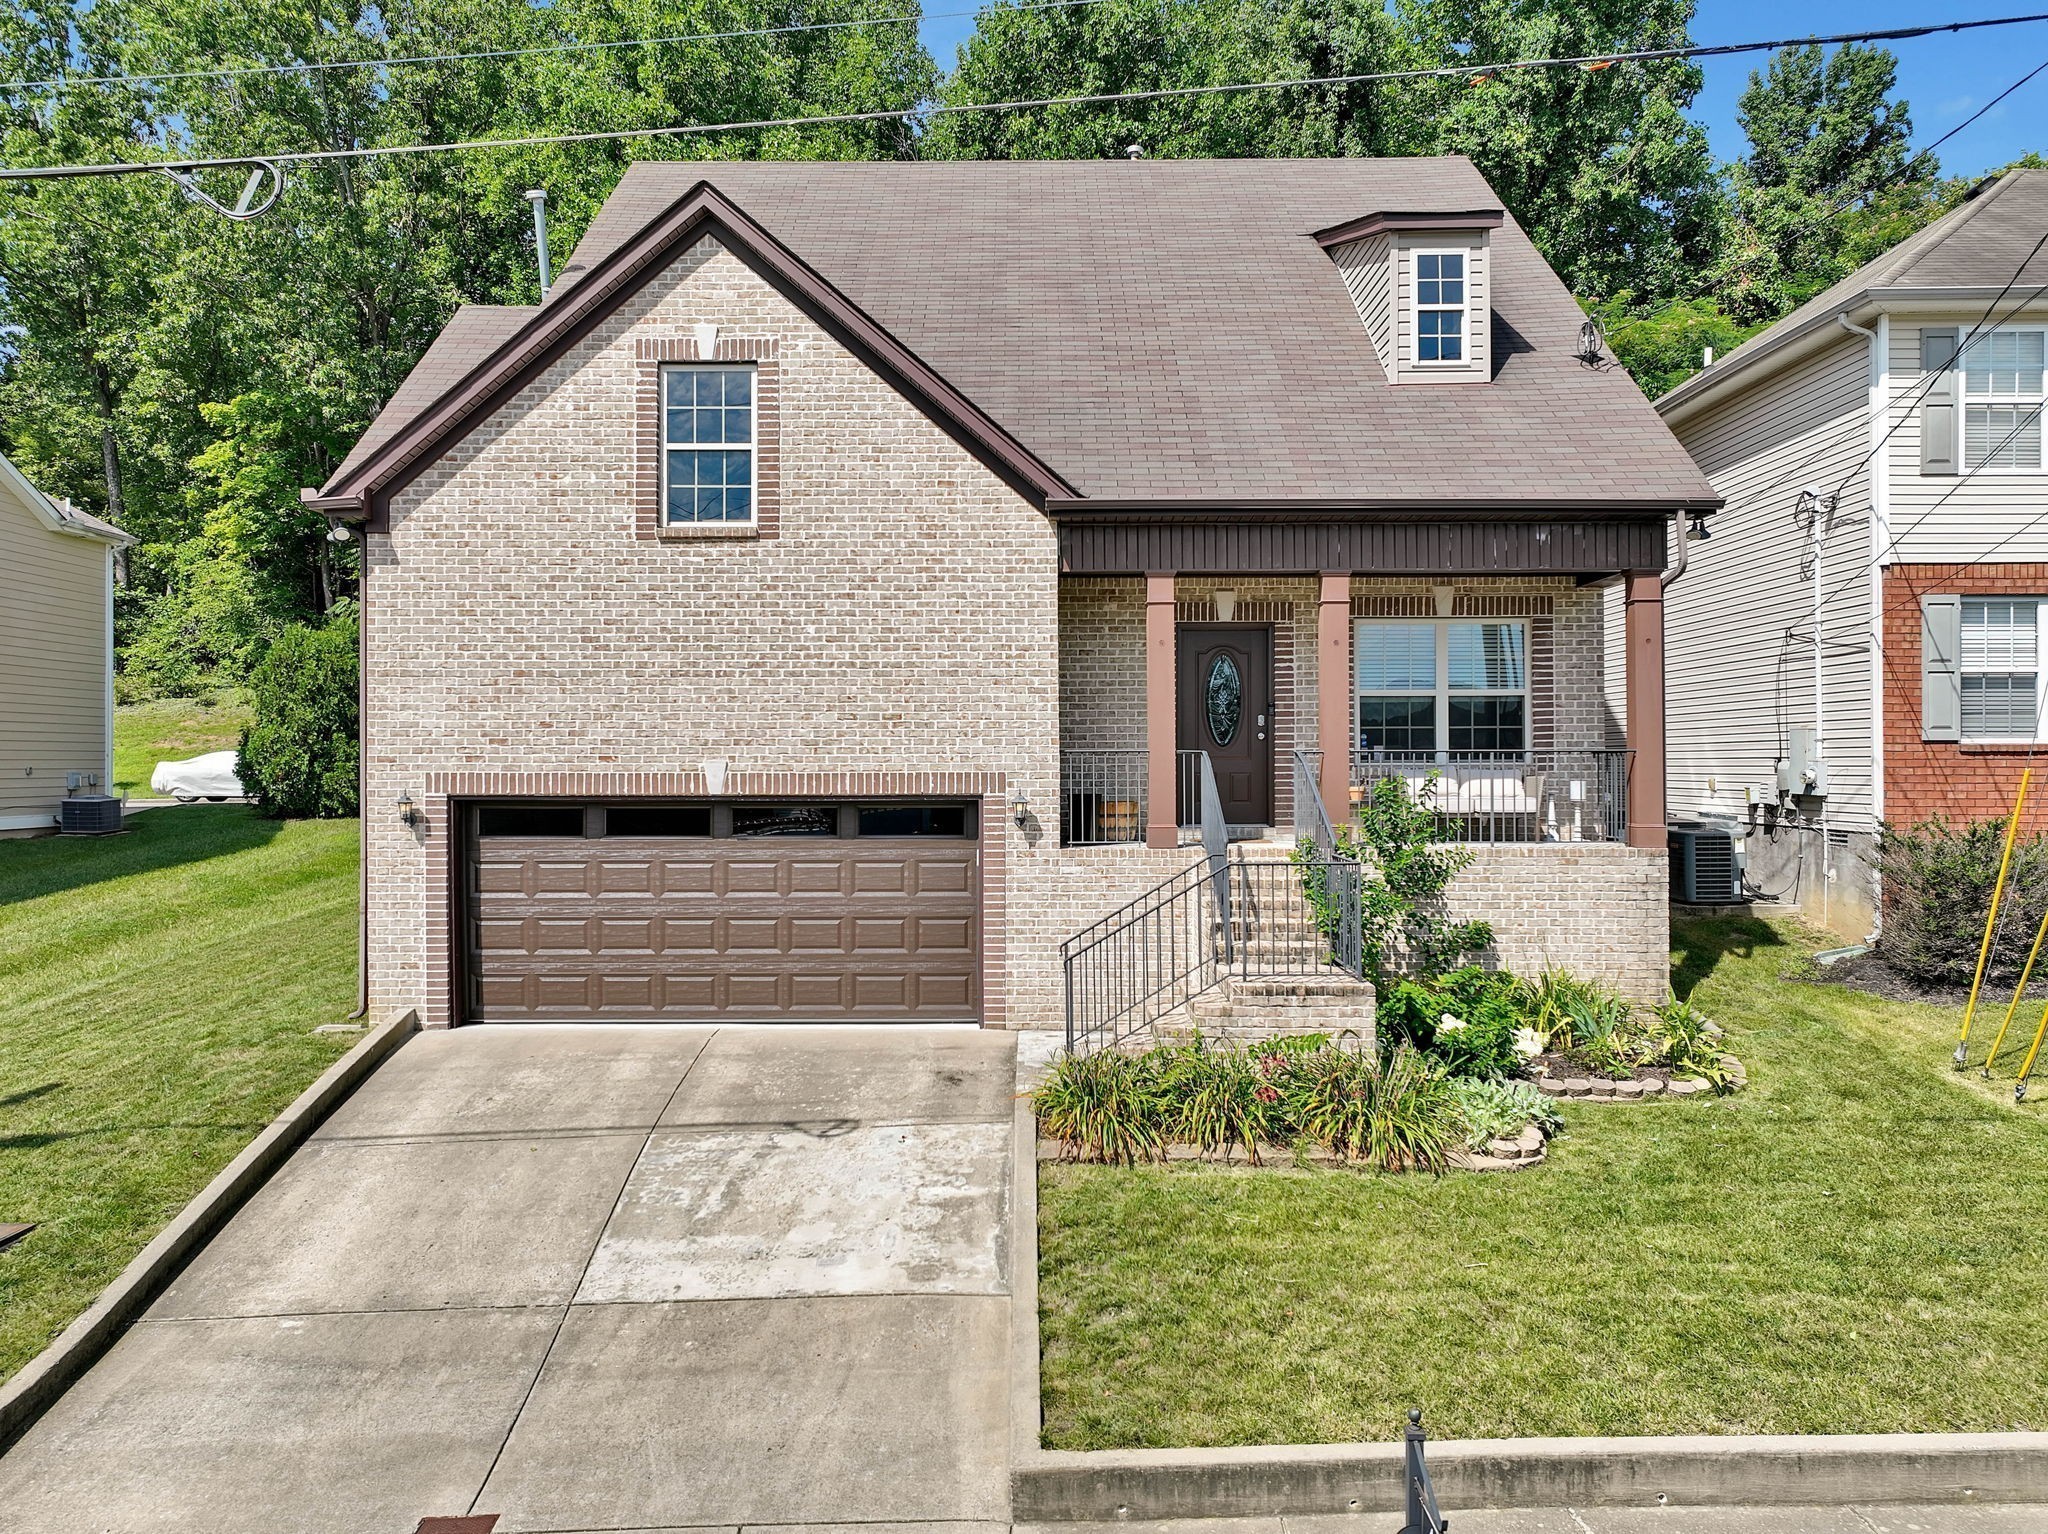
x,y
1333,693
1162,815
1643,632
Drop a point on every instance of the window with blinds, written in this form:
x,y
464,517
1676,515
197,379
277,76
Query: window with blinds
x,y
2003,375
2000,668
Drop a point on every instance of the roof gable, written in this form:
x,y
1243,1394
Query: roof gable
x,y
56,515
363,486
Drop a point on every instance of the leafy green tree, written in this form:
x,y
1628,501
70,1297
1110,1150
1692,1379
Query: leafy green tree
x,y
1663,346
299,757
1828,155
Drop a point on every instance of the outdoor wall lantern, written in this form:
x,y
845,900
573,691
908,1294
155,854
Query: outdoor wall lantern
x,y
1020,809
408,812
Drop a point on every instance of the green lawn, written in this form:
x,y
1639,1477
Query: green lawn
x,y
170,729
1856,1243
157,992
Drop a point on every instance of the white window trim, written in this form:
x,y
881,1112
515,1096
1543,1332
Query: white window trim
x,y
1443,692
1417,308
2040,678
1968,400
752,444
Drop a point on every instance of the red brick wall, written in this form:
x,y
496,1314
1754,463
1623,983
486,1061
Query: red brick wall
x,y
1925,778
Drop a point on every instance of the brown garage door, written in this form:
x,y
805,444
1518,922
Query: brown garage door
x,y
686,913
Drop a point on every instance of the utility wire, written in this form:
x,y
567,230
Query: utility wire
x,y
1478,73
246,71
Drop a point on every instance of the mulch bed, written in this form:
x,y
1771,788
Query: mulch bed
x,y
1560,1066
1868,972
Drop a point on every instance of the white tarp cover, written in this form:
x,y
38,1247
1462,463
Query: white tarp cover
x,y
211,776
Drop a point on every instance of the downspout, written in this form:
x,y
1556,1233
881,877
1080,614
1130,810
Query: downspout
x,y
1880,537
362,798
1677,569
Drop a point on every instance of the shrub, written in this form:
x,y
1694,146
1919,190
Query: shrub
x,y
1937,880
1407,868
1466,1019
1495,1110
300,755
1680,1036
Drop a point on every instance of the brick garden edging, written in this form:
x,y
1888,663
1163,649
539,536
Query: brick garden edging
x,y
1600,1089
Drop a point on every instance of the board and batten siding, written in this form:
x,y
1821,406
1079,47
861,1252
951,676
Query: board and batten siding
x,y
1945,518
1738,624
54,594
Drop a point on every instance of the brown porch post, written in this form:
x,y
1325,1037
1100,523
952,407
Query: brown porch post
x,y
1333,692
1644,635
1162,817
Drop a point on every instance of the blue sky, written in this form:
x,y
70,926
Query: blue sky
x,y
1944,78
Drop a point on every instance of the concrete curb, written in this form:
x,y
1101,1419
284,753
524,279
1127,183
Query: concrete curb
x,y
1024,1382
52,1371
1786,1470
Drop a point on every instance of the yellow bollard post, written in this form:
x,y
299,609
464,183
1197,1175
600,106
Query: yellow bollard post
x,y
2012,828
2019,1086
2019,990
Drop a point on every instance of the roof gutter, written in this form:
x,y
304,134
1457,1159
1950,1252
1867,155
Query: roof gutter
x,y
1343,508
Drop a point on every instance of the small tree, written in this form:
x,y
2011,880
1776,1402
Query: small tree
x,y
300,758
1404,920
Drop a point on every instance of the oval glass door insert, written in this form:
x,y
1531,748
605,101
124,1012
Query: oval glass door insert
x,y
1226,700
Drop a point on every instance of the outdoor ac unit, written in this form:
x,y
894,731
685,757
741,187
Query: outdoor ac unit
x,y
90,815
1706,863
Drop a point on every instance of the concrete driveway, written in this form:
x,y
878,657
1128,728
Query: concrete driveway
x,y
586,1278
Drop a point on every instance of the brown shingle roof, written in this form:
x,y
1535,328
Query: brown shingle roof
x,y
1170,330
472,334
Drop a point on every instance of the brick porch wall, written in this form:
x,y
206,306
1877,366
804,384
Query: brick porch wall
x,y
1925,778
1598,909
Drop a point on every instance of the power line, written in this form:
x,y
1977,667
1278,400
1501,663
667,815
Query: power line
x,y
1476,72
245,71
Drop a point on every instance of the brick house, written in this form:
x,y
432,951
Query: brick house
x,y
1880,453
823,604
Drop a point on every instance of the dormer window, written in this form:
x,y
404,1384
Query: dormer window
x,y
1440,306
1422,287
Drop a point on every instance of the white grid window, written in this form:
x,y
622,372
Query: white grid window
x,y
2000,665
707,458
2002,400
1456,690
1439,306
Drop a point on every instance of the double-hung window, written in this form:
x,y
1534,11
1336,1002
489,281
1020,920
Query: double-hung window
x,y
2001,668
707,458
1456,690
2002,400
1439,306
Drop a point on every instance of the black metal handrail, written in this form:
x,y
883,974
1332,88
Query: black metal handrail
x,y
1332,882
1493,797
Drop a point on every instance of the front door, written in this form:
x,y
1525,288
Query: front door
x,y
1226,709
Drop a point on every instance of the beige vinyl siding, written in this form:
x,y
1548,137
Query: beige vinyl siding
x,y
1738,646
1478,311
54,592
1994,515
1368,273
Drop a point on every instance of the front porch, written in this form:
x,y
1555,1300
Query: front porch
x,y
1503,699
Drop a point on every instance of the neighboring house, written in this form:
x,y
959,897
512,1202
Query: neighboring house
x,y
1932,568
56,654
809,611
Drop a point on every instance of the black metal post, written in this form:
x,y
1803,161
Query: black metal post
x,y
1423,1515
